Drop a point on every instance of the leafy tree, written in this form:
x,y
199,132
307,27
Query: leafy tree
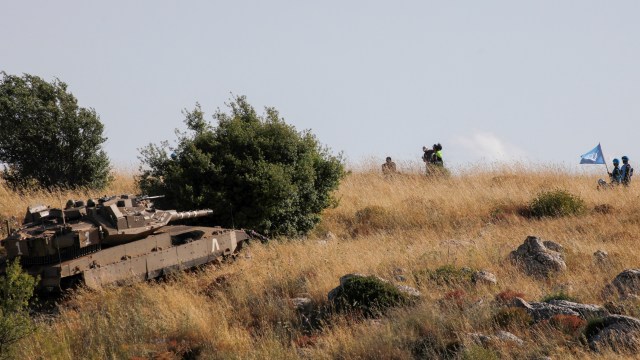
x,y
16,288
254,171
46,139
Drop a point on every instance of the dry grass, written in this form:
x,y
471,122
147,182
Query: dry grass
x,y
383,226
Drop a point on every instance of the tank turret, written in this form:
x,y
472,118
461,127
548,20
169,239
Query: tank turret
x,y
126,225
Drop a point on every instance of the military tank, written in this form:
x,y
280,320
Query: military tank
x,y
114,239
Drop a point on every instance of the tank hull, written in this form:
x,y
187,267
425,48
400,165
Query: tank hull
x,y
171,249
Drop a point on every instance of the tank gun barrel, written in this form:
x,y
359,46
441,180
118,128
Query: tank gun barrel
x,y
190,214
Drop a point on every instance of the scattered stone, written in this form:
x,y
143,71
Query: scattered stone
x,y
626,284
552,245
330,236
408,290
400,278
617,332
499,337
536,259
302,304
484,277
509,337
601,256
546,310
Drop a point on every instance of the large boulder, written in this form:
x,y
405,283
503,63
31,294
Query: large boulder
x,y
626,284
537,259
617,332
546,310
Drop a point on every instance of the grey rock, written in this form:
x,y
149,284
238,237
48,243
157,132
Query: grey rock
x,y
484,277
408,290
543,310
333,293
586,311
626,284
499,337
301,303
552,245
536,259
509,337
601,256
617,332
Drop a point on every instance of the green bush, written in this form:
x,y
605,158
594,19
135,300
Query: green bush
x,y
16,288
446,275
477,352
46,139
561,295
369,296
556,203
254,171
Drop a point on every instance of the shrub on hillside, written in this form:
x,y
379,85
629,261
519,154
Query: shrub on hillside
x,y
16,288
556,203
254,171
560,295
46,139
369,296
446,275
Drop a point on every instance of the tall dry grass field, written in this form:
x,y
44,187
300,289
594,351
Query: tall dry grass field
x,y
399,228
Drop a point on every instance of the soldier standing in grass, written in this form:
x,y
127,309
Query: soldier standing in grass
x,y
389,167
626,171
436,158
615,174
427,157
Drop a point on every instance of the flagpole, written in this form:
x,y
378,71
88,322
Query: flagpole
x,y
605,159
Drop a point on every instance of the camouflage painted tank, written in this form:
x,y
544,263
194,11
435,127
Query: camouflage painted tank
x,y
114,239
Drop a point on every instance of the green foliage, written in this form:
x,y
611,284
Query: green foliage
x,y
593,327
16,288
446,275
369,296
46,139
512,316
556,203
254,171
477,352
560,295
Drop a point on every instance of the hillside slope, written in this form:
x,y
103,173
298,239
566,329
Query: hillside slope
x,y
402,229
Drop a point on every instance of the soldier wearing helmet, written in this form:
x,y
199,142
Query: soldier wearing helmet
x,y
615,174
626,171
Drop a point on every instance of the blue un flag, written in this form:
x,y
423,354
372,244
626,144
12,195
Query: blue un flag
x,y
593,157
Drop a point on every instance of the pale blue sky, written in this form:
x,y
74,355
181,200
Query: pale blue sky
x,y
538,80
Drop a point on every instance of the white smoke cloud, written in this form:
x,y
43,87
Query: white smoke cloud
x,y
488,146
